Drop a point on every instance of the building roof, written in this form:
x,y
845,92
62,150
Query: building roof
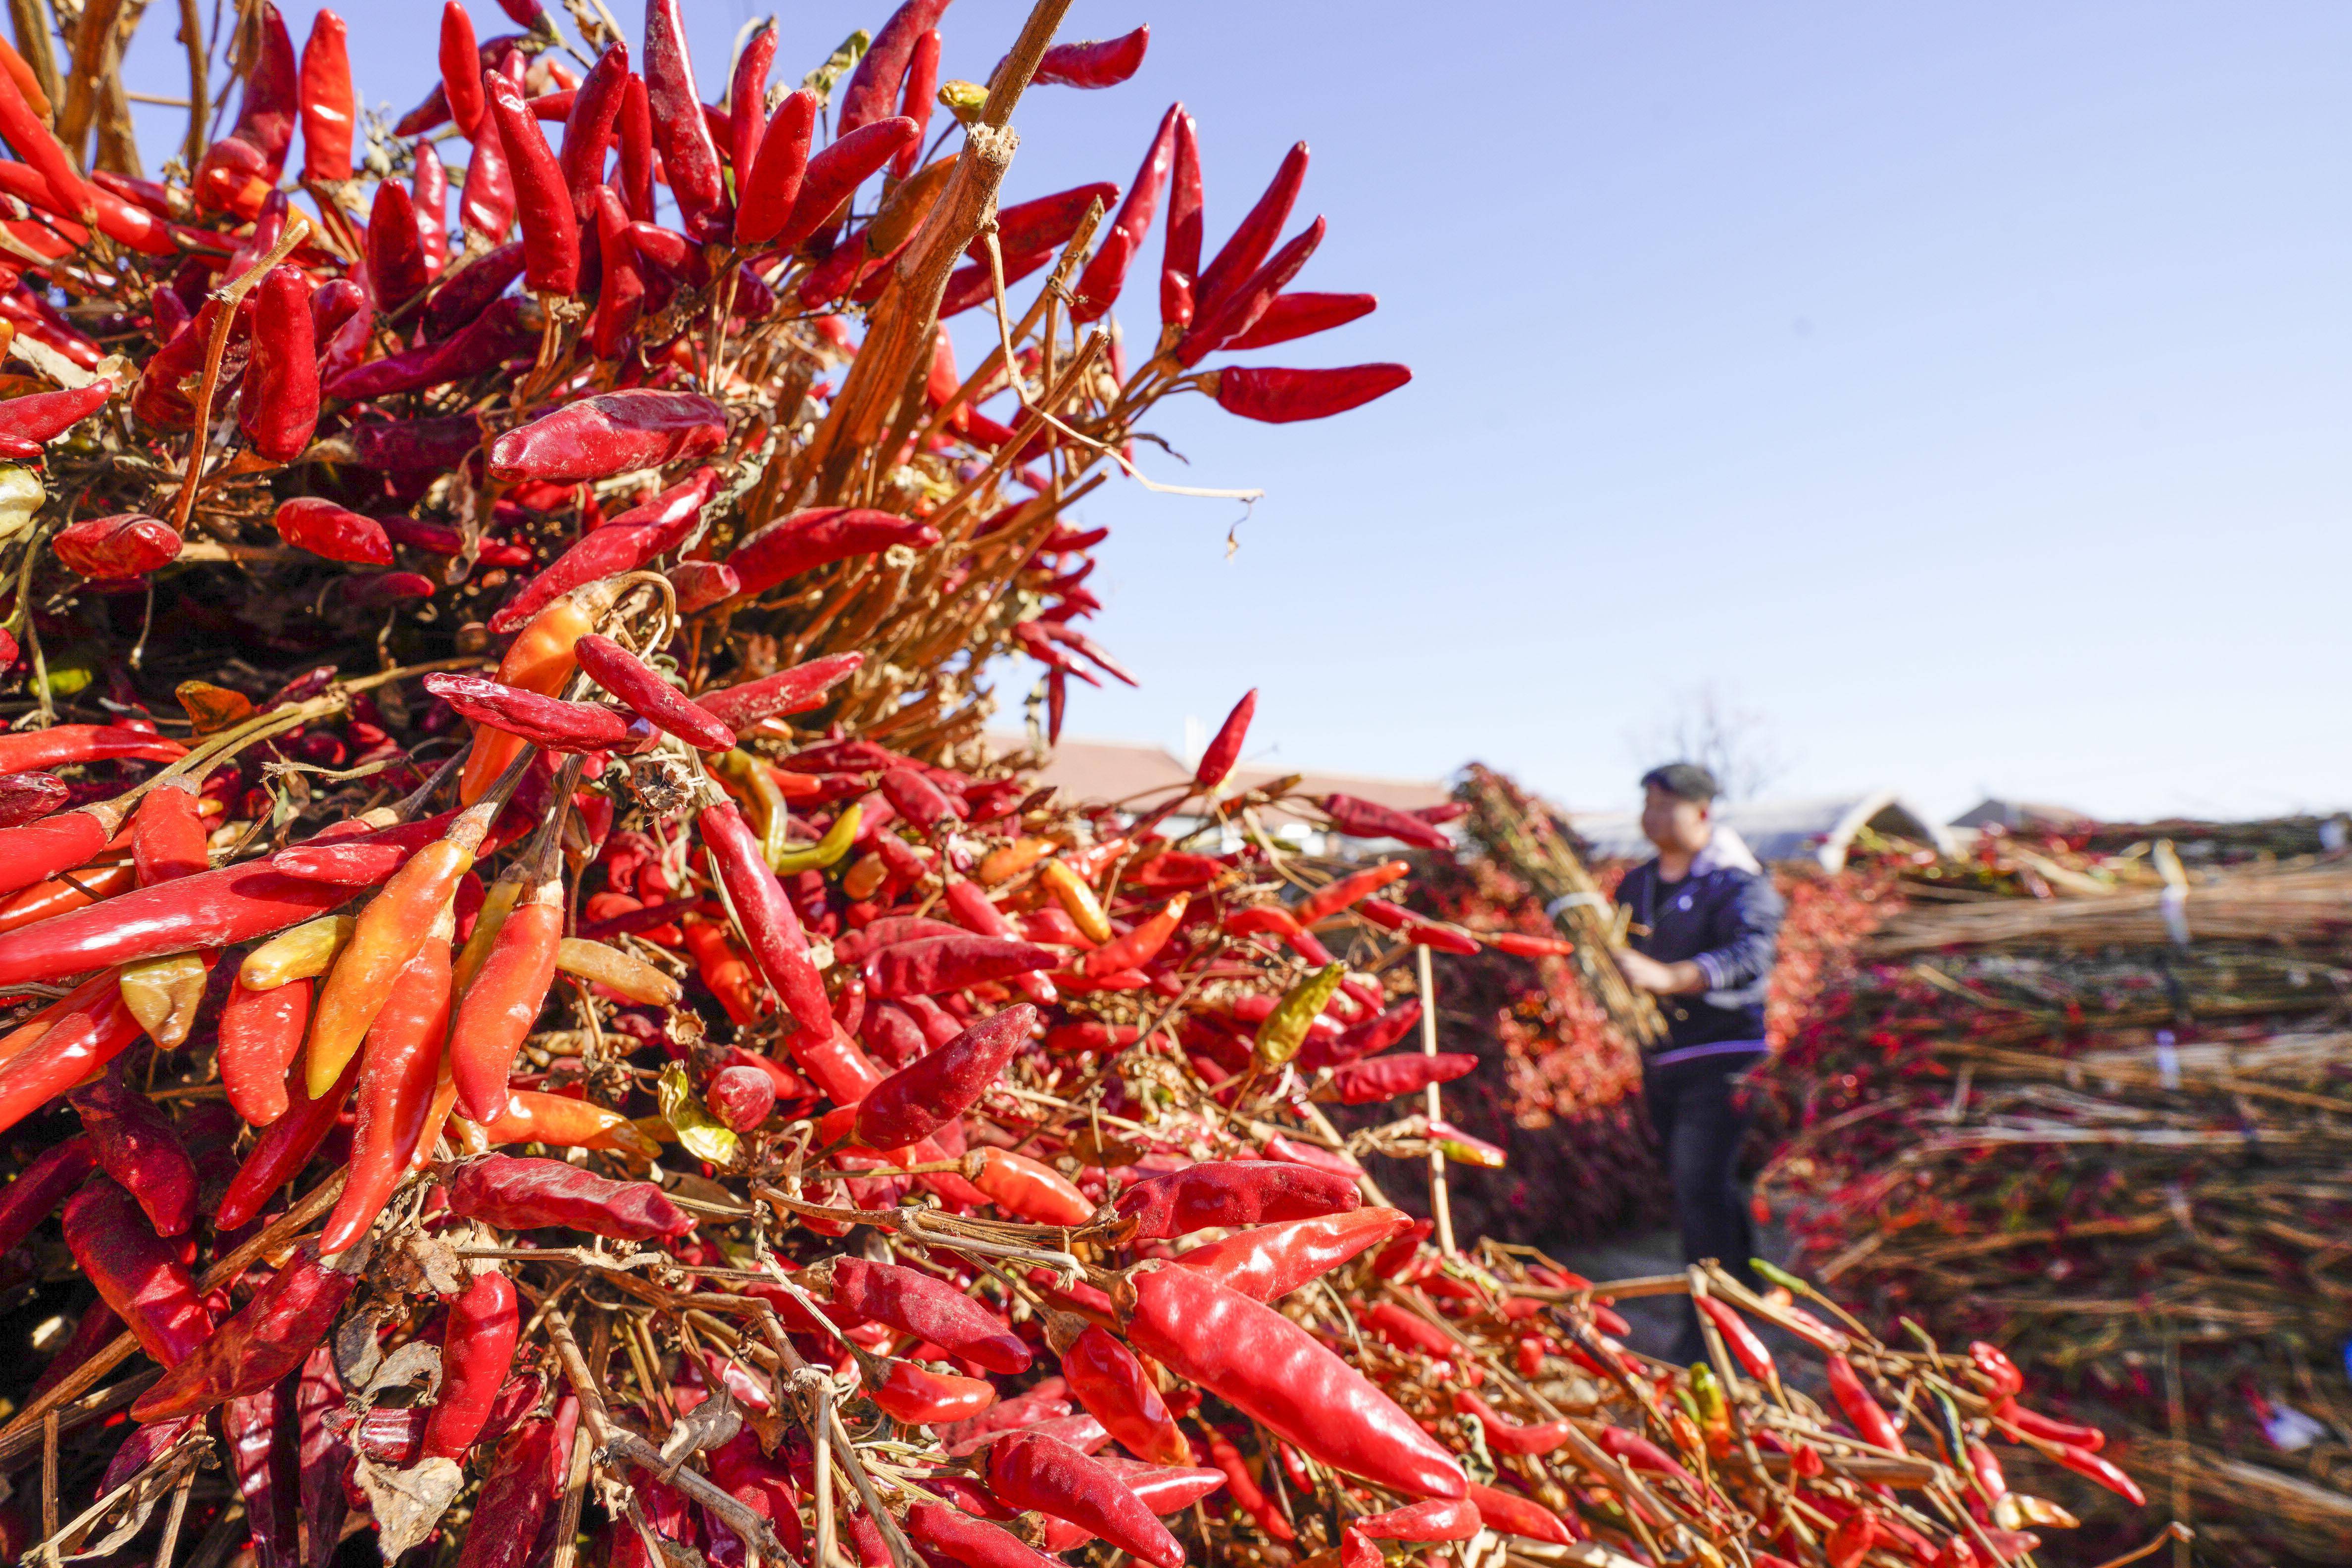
x,y
2014,813
1118,770
1819,830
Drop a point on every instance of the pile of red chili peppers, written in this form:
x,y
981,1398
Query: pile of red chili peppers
x,y
534,1024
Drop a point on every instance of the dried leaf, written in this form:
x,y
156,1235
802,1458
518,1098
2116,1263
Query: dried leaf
x,y
422,1263
408,1504
700,1133
412,1360
212,708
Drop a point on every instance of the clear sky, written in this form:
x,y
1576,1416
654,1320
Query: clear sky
x,y
1966,391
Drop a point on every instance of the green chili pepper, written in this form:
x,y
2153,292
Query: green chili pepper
x,y
825,851
1285,1029
1781,1277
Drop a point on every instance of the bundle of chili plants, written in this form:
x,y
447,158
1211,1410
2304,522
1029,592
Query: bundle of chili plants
x,y
2108,1129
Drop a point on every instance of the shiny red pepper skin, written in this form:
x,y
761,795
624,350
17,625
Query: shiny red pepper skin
x,y
1180,265
1116,1390
831,176
550,723
278,407
167,837
477,1351
1273,1371
931,965
285,1145
139,1275
1241,311
1234,1192
955,1536
1504,1437
260,1036
1514,1515
485,207
395,249
770,925
920,1398
134,1143
515,1194
620,290
609,433
503,1001
28,797
1301,315
625,544
874,86
461,71
588,128
1271,1261
1276,396
644,692
45,416
62,746
1393,1077
269,1336
924,1096
1872,1422
36,1191
33,142
635,131
399,1066
1034,1471
1242,254
329,106
747,90
1740,1339
1247,1494
688,155
1098,285
87,1029
322,528
1449,1519
794,690
929,1308
818,536
550,232
428,191
1093,64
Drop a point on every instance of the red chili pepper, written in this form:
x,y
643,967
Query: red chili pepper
x,y
770,924
2033,1424
645,693
588,127
1301,315
515,1194
1408,1331
167,836
2006,1382
1439,1519
62,746
89,1027
485,207
117,548
1279,397
931,965
278,402
747,90
724,970
874,86
921,1098
1393,1077
285,1145
952,1533
477,1351
740,1097
139,1275
1091,64
395,249
930,1309
831,176
266,1339
329,108
794,690
1034,1471
1030,1190
504,999
45,416
688,155
609,433
1140,946
1098,285
523,1478
625,544
1507,1437
1874,1424
2083,1462
1515,1515
620,290
549,723
399,1067
1241,309
28,797
37,1191
1276,1373
24,132
550,232
1333,897
1740,1339
1248,1495
361,858
1987,1470
429,193
461,71
915,98
1233,1193
1641,1454
1242,253
920,1398
1271,1261
260,1035
134,1143
322,528
1116,1390
635,131
819,536
1850,1541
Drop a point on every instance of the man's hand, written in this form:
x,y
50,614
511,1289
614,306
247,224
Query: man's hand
x,y
1646,973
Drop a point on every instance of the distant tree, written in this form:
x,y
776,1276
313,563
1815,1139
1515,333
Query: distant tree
x,y
1706,727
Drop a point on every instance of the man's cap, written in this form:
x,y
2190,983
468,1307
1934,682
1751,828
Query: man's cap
x,y
1684,781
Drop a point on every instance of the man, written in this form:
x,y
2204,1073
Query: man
x,y
1706,919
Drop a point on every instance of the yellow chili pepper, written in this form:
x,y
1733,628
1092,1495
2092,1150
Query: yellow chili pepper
x,y
749,782
389,932
1285,1029
631,976
307,950
827,851
1086,911
163,994
496,905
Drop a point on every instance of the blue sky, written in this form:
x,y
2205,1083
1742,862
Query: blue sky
x,y
1962,391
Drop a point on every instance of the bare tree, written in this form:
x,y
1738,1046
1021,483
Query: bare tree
x,y
1731,741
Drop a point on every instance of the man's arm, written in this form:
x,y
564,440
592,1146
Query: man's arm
x,y
1744,955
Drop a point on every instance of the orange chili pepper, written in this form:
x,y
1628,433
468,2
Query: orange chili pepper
x,y
397,1073
504,1000
538,660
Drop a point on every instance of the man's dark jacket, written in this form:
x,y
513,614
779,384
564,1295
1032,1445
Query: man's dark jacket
x,y
1725,916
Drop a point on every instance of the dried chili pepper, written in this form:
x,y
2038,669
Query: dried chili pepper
x,y
399,1067
549,723
1098,285
1301,315
307,950
87,1029
1874,1425
322,528
1393,1077
278,403
267,1338
609,967
28,797
794,690
646,694
504,999
137,1275
36,1191
42,416
477,1347
1093,64
747,89
922,1096
1069,889
1276,1372
1279,397
395,249
522,1478
486,209
550,232
34,143
430,193
1242,308
1233,1193
1242,253
915,98
770,924
329,108
1271,1261
1116,1390
1739,1339
516,1194
934,964
832,175
913,1395
1506,1437
1027,1189
556,1119
1036,1471
260,1035
609,433
625,543
680,134
929,1308
1247,1494
134,1143
948,1532
1514,1515
124,546
819,536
